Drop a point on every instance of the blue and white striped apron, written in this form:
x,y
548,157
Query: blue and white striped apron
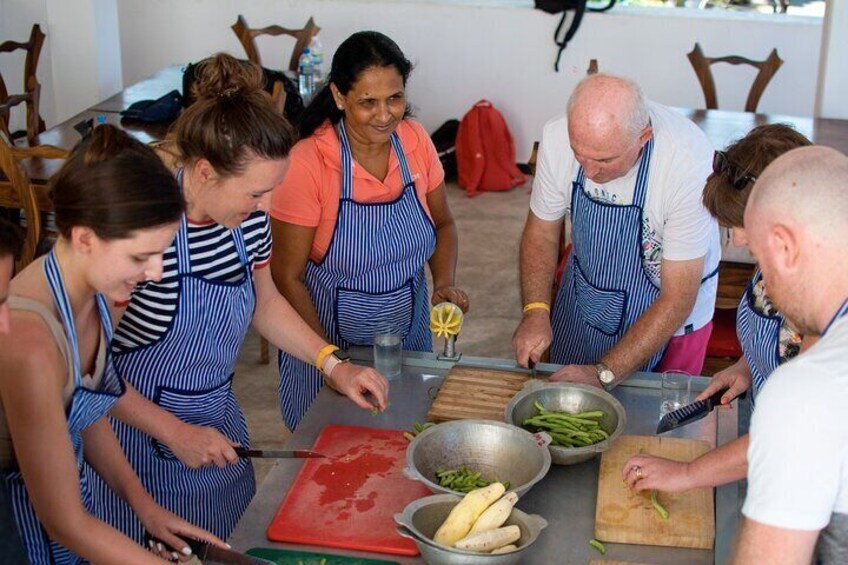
x,y
759,336
86,408
189,373
843,311
370,280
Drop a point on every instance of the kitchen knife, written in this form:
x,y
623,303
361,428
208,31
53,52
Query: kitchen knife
x,y
532,365
212,554
277,453
689,413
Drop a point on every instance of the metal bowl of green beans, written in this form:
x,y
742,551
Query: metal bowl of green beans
x,y
495,450
567,412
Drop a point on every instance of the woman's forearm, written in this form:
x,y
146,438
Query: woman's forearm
x,y
137,411
443,262
724,464
296,294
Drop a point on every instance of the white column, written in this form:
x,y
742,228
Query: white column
x,y
833,67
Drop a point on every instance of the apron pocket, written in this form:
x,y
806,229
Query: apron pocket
x,y
602,309
361,315
209,407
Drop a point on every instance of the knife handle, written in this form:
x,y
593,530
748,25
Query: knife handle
x,y
197,547
715,399
243,452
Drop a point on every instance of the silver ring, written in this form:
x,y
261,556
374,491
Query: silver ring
x,y
637,470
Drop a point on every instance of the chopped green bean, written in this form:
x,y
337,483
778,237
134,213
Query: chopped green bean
x,y
601,548
659,507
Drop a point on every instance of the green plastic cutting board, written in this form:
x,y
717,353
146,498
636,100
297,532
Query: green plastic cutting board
x,y
286,557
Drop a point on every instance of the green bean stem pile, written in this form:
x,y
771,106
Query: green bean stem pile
x,y
565,429
463,479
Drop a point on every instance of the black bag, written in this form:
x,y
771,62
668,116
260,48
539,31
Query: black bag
x,y
294,103
444,139
164,109
579,7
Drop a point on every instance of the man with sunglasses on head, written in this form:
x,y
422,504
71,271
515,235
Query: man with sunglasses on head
x,y
638,290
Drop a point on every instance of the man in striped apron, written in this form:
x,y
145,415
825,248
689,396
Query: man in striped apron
x,y
796,223
371,279
639,286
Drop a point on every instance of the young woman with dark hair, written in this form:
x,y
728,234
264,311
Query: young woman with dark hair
x,y
362,209
117,209
179,338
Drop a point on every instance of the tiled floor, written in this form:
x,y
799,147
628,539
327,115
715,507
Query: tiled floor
x,y
489,227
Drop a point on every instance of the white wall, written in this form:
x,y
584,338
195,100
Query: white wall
x,y
16,19
81,56
464,53
833,79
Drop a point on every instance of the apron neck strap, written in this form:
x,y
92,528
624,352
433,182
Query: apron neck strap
x,y
641,190
63,306
843,310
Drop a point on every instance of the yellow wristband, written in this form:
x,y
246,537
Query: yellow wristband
x,y
323,353
536,305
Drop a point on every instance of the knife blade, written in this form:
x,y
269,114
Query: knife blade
x,y
532,365
211,554
690,413
278,453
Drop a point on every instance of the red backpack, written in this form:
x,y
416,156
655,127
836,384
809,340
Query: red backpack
x,y
485,152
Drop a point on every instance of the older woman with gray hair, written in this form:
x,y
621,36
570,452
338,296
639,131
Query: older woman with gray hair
x,y
639,287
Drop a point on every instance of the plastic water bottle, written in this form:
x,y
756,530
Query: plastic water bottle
x,y
305,78
317,51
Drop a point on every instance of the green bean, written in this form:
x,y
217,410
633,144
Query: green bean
x,y
598,546
659,507
462,479
566,429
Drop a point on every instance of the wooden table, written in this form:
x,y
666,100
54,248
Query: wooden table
x,y
151,88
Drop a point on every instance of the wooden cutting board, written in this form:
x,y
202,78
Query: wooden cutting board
x,y
472,393
623,516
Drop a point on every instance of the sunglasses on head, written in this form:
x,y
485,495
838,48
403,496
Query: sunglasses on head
x,y
723,167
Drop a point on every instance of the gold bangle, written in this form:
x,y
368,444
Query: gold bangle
x,y
536,305
323,353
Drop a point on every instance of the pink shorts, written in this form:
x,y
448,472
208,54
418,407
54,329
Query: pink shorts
x,y
686,352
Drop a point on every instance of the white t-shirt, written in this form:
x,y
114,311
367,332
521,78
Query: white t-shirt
x,y
798,455
676,226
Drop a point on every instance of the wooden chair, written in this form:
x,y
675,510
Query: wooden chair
x,y
593,67
247,35
18,183
702,64
32,89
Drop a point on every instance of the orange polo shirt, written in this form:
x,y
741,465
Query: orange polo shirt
x,y
310,192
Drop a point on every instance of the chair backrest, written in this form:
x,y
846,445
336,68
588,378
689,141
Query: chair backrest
x,y
701,64
16,177
32,89
247,35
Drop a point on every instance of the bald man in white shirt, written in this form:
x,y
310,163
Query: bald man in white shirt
x,y
796,222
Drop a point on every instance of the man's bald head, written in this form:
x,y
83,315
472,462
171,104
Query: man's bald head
x,y
807,187
796,223
608,103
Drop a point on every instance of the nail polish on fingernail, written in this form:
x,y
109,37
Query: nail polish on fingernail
x,y
150,543
160,547
175,555
186,550
228,545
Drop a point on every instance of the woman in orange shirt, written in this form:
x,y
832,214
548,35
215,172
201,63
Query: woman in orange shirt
x,y
362,208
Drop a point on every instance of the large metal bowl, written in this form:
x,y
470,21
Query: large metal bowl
x,y
421,518
499,451
569,397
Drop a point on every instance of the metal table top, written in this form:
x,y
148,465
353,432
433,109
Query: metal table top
x,y
565,497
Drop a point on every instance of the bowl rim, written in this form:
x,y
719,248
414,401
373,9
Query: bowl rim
x,y
533,387
412,472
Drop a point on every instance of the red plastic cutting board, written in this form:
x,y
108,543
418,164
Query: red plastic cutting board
x,y
349,499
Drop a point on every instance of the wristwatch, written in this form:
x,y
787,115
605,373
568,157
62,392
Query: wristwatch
x,y
605,376
337,357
